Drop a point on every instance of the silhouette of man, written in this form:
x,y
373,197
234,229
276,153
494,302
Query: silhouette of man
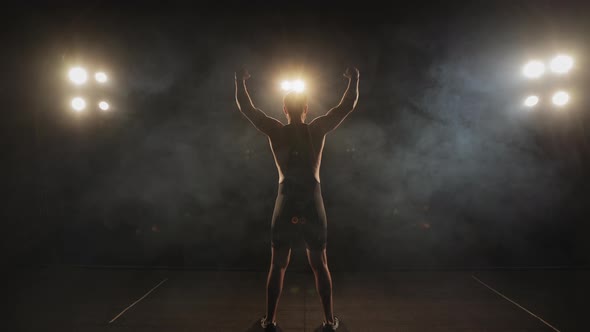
x,y
299,208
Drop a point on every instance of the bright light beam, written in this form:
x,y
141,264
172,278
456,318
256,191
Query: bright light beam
x,y
561,64
560,98
103,105
286,85
78,75
531,101
101,77
78,104
298,86
533,69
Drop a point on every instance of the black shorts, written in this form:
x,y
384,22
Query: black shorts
x,y
299,215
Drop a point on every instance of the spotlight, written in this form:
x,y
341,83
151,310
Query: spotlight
x,y
533,69
78,75
560,98
100,77
286,85
103,105
561,64
78,104
298,86
531,101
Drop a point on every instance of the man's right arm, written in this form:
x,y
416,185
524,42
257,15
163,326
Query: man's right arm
x,y
326,123
258,118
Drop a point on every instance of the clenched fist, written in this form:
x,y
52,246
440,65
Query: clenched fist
x,y
242,74
351,72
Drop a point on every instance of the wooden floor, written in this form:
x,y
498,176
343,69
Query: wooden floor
x,y
94,299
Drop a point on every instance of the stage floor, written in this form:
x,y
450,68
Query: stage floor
x,y
63,299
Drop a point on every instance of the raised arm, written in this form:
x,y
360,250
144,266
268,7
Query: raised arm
x,y
257,117
326,123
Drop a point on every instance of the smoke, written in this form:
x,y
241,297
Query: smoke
x,y
434,168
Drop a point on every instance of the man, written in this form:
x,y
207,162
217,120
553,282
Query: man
x,y
299,207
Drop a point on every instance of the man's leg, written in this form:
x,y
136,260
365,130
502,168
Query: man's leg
x,y
274,284
323,281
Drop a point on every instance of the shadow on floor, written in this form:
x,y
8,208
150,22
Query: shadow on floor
x,y
255,327
341,328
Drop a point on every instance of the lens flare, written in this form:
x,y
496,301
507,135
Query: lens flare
x,y
561,64
78,75
531,101
100,77
78,104
560,98
533,69
103,105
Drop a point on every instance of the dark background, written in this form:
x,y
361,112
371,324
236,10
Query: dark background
x,y
439,166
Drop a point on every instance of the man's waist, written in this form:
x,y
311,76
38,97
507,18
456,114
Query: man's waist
x,y
299,184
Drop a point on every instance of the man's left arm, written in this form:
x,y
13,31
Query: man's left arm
x,y
326,123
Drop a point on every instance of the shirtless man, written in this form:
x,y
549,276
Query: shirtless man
x,y
299,207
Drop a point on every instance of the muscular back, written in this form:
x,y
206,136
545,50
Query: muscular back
x,y
297,150
297,147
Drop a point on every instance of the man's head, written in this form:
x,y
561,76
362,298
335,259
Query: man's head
x,y
295,106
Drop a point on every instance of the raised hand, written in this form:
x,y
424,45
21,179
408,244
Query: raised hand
x,y
242,74
351,72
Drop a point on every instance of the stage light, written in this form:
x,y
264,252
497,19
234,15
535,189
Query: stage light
x,y
78,104
298,86
103,105
100,77
78,75
561,64
533,69
531,101
286,85
560,98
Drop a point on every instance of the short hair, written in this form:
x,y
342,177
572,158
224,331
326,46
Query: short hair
x,y
295,102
